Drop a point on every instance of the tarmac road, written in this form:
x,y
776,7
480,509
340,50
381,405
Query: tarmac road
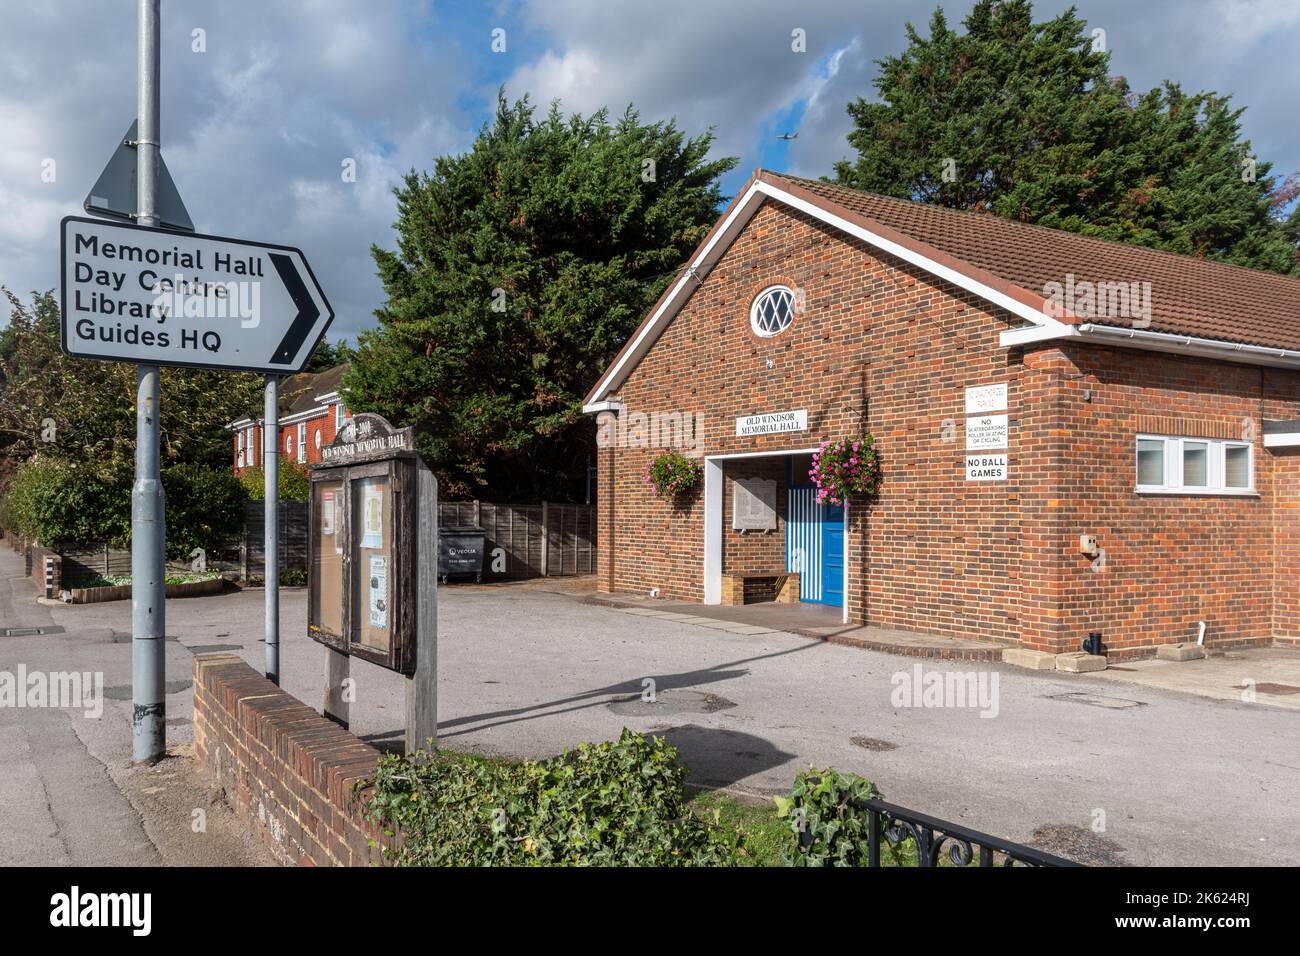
x,y
1104,771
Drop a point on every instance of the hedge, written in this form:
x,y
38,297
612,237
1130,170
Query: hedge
x,y
59,502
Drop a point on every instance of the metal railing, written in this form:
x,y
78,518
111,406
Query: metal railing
x,y
933,837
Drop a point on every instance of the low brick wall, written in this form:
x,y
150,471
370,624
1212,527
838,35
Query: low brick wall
x,y
282,766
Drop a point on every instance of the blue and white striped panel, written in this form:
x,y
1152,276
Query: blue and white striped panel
x,y
803,541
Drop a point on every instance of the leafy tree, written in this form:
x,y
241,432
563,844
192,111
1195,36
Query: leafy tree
x,y
67,440
1023,120
329,354
84,410
521,267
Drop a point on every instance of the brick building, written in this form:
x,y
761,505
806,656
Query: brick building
x,y
1029,390
311,412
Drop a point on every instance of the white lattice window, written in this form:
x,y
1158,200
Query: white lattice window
x,y
772,311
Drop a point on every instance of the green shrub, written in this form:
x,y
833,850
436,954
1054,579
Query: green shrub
x,y
205,508
293,482
54,501
602,804
820,804
60,502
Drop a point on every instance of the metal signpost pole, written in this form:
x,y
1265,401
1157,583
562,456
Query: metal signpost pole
x,y
148,741
271,522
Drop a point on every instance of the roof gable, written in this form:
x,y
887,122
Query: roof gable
x,y
1196,306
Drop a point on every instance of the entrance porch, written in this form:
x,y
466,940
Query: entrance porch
x,y
764,525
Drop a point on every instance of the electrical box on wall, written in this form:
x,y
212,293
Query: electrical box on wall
x,y
1088,545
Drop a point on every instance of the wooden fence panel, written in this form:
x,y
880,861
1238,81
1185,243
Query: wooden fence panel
x,y
292,537
568,538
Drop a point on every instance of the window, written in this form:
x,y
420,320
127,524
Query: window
x,y
250,443
772,311
302,441
338,415
1193,466
288,443
239,448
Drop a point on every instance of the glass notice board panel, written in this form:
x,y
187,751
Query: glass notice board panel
x,y
372,557
326,610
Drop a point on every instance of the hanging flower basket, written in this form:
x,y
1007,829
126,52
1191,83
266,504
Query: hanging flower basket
x,y
845,467
673,476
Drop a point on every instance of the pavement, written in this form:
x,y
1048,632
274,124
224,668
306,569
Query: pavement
x,y
69,794
1105,770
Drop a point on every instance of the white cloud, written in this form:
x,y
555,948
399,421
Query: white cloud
x,y
255,129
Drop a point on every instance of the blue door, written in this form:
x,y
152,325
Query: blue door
x,y
833,555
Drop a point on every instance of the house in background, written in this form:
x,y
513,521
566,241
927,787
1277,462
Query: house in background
x,y
312,409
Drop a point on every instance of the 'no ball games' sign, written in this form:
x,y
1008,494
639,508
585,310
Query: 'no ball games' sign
x,y
154,297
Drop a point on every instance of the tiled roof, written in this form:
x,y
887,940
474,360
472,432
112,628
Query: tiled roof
x,y
1189,296
298,392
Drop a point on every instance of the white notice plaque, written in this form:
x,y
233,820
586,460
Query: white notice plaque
x,y
986,398
986,467
772,423
986,431
753,504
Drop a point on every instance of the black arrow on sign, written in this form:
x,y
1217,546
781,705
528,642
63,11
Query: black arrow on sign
x,y
307,311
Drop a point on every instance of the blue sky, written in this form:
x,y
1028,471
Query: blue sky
x,y
257,125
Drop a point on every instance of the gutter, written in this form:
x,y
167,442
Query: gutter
x,y
1191,345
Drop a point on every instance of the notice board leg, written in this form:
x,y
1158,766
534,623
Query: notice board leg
x,y
337,669
422,686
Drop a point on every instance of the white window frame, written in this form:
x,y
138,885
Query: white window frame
x,y
239,447
758,299
250,443
302,442
1215,466
338,415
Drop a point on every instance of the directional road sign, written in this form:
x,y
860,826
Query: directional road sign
x,y
154,297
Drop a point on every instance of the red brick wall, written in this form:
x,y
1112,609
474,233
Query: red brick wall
x,y
1171,560
322,424
921,559
749,551
1286,543
935,552
282,766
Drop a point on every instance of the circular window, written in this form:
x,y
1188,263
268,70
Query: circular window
x,y
288,444
318,439
772,311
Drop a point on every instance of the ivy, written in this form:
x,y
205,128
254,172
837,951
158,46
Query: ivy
x,y
603,804
821,805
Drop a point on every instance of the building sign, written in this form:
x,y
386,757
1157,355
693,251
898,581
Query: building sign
x,y
753,504
986,467
772,423
981,399
986,431
366,437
